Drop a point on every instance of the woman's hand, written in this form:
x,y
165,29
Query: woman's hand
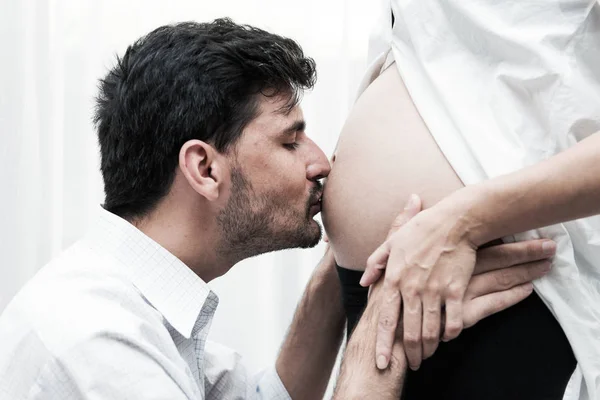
x,y
428,262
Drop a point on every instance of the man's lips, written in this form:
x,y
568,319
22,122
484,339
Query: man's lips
x,y
317,200
315,206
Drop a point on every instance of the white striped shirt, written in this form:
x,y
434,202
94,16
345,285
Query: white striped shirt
x,y
117,316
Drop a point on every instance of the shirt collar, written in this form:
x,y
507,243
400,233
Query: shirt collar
x,y
168,284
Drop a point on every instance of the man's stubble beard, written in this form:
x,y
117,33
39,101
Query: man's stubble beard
x,y
252,225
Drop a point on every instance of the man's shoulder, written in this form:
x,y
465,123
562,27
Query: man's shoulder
x,y
77,296
80,318
74,319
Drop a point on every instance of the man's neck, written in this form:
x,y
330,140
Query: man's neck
x,y
192,241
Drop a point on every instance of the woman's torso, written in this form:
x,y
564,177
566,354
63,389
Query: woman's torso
x,y
499,85
384,153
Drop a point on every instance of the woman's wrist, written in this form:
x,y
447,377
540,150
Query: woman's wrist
x,y
465,209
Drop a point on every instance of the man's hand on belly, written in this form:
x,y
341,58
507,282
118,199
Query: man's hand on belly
x,y
427,269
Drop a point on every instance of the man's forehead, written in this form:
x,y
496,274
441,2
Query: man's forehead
x,y
275,114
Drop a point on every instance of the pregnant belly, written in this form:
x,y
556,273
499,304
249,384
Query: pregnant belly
x,y
385,152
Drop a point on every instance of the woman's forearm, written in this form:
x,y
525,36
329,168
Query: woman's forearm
x,y
564,187
430,260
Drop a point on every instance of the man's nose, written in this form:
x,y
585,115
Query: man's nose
x,y
318,165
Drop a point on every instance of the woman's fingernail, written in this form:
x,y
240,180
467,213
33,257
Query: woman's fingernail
x,y
381,362
547,266
549,247
413,200
363,279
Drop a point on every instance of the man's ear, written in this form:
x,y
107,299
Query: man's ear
x,y
202,168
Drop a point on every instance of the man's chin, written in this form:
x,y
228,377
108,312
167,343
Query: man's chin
x,y
305,236
315,237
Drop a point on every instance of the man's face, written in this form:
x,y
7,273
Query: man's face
x,y
275,188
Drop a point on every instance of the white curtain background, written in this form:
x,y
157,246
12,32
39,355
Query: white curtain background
x,y
52,54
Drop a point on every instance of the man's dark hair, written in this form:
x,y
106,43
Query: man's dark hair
x,y
180,82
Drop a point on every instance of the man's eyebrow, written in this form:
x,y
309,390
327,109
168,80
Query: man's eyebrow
x,y
298,126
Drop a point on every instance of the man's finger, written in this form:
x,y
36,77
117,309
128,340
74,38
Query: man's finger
x,y
376,264
389,314
507,255
481,307
503,279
